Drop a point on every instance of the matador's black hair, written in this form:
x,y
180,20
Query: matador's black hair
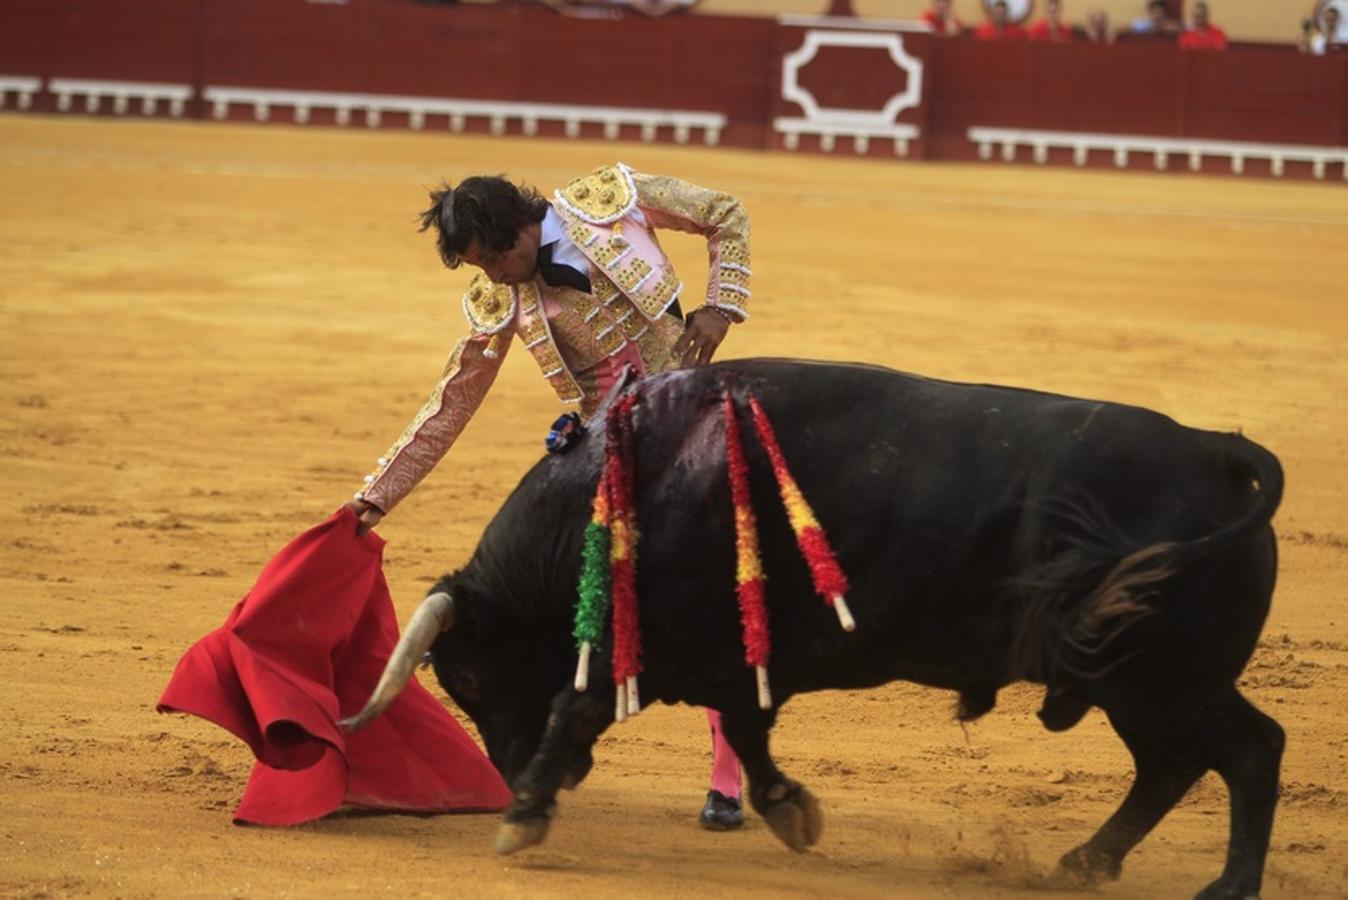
x,y
486,210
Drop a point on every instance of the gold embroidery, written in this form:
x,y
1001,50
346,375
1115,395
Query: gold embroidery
x,y
735,252
548,358
736,310
538,339
605,195
631,324
609,253
737,277
583,331
430,408
630,276
488,307
671,203
529,297
604,290
579,234
666,291
467,377
657,344
565,386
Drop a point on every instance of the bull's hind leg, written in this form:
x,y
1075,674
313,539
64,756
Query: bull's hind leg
x,y
1246,747
1224,733
1161,781
790,810
562,759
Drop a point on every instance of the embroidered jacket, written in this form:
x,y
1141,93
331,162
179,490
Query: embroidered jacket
x,y
610,215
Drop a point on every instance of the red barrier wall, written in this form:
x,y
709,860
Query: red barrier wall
x,y
1258,93
24,42
285,43
516,53
722,64
142,40
471,51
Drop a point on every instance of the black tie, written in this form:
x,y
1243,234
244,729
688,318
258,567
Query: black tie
x,y
557,274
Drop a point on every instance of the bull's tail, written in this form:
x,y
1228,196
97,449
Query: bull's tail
x,y
1253,467
1077,604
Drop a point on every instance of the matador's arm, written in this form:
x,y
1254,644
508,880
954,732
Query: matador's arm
x,y
467,377
671,203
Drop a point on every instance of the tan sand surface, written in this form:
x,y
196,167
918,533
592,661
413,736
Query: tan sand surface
x,y
209,332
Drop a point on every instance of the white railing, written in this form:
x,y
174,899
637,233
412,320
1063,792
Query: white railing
x,y
22,87
860,133
121,93
1194,150
497,113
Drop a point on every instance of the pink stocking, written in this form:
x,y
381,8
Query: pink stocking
x,y
725,765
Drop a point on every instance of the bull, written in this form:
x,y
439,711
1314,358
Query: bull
x,y
990,534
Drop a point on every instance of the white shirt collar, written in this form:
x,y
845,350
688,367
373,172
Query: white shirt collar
x,y
552,229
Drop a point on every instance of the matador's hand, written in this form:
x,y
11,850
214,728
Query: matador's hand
x,y
367,514
706,329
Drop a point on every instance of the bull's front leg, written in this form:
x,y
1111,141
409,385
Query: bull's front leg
x,y
562,759
790,810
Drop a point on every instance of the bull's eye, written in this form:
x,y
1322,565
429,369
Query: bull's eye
x,y
467,684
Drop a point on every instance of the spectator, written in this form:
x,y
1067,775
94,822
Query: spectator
x,y
999,27
608,9
1157,21
1202,35
656,8
1097,27
1328,37
943,21
1051,29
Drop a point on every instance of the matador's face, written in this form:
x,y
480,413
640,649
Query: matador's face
x,y
513,266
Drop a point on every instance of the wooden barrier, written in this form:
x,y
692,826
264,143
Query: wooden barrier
x,y
820,84
841,79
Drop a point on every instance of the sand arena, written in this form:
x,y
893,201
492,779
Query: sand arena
x,y
210,332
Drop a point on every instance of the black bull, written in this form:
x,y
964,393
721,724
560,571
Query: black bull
x,y
990,535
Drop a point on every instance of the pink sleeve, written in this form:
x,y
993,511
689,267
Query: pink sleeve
x,y
678,205
468,375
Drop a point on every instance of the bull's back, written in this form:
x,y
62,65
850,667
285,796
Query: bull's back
x,y
934,495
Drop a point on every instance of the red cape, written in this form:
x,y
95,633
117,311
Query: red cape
x,y
304,648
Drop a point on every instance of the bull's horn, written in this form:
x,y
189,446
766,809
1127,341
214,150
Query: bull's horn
x,y
433,617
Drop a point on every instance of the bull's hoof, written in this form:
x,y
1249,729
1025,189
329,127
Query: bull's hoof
x,y
1085,867
793,815
515,836
1225,888
572,779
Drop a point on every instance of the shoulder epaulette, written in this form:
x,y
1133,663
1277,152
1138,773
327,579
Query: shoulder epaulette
x,y
605,195
489,307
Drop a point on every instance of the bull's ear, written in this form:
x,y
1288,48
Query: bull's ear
x,y
449,604
464,616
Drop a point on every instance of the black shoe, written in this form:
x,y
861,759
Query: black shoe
x,y
721,813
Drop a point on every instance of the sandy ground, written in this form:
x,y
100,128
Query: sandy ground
x,y
210,332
